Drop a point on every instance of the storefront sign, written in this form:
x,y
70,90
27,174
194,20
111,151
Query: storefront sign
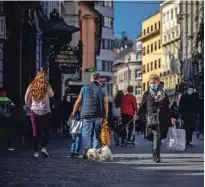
x,y
104,79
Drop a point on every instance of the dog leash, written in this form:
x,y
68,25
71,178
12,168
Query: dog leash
x,y
126,125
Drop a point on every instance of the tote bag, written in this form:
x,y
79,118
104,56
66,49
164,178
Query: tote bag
x,y
176,139
75,126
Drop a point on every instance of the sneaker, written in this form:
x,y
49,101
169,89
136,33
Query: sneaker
x,y
36,154
129,142
76,155
44,152
72,154
10,149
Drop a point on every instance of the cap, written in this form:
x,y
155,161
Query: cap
x,y
95,74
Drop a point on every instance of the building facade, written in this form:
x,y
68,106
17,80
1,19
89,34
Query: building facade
x,y
89,21
170,37
151,48
104,61
128,70
191,19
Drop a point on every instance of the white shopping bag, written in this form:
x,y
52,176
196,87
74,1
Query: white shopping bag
x,y
176,139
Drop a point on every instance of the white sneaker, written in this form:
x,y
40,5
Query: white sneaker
x,y
36,154
44,151
10,149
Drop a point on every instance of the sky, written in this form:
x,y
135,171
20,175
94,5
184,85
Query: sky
x,y
129,16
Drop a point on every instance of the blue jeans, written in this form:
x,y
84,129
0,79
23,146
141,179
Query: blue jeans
x,y
76,143
91,132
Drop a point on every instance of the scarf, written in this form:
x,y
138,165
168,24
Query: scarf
x,y
158,95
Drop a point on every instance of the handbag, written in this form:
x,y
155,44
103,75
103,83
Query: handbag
x,y
106,134
75,126
153,118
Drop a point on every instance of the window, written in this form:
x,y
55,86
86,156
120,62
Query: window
x,y
169,36
107,44
144,51
155,64
108,22
167,16
143,69
108,4
100,3
138,73
151,48
147,85
103,65
148,49
144,31
143,86
176,12
155,46
147,67
159,25
171,14
159,63
155,26
159,44
138,91
173,34
177,33
165,38
151,28
147,30
164,18
151,66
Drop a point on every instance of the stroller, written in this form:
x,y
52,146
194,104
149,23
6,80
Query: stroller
x,y
119,127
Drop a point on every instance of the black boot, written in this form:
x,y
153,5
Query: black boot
x,y
156,156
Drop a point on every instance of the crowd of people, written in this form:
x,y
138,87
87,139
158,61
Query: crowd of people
x,y
153,117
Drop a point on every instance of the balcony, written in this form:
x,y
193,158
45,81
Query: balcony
x,y
148,36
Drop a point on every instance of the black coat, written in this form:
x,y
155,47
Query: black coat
x,y
148,104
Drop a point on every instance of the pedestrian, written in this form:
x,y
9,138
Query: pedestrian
x,y
65,111
188,108
117,119
76,138
175,110
94,101
128,111
150,105
37,99
6,106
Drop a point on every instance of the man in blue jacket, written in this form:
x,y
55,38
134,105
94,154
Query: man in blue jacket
x,y
94,101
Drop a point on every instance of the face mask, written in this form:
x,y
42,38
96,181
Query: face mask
x,y
189,92
154,86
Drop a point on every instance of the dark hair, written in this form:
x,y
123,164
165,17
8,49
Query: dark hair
x,y
130,89
161,82
118,98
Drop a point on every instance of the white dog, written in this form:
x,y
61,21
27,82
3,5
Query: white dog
x,y
103,154
106,154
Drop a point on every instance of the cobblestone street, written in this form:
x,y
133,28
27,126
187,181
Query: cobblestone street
x,y
131,167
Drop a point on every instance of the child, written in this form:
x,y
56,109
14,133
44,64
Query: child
x,y
76,137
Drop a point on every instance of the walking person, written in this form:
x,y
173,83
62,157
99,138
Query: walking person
x,y
188,107
37,99
150,105
94,108
6,106
76,138
117,119
128,110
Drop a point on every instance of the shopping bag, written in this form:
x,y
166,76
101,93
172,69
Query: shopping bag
x,y
75,126
176,139
106,134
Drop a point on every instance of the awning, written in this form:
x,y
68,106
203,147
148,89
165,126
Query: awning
x,y
57,27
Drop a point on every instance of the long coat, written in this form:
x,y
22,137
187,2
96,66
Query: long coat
x,y
164,115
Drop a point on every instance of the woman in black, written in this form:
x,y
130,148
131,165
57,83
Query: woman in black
x,y
152,101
